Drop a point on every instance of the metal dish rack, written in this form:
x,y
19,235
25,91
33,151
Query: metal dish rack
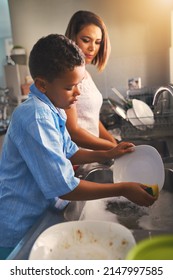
x,y
162,127
163,122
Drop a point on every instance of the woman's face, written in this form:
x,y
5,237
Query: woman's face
x,y
89,40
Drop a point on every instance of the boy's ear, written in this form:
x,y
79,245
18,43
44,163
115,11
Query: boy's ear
x,y
40,84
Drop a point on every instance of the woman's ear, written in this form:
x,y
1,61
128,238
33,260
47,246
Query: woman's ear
x,y
40,83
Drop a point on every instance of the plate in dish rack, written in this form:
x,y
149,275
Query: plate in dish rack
x,y
143,112
134,120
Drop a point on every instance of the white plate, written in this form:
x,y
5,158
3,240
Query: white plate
x,y
144,165
143,112
134,120
83,240
120,111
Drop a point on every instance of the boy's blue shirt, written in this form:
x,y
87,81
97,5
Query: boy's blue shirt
x,y
34,166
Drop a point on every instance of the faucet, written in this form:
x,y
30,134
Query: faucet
x,y
162,100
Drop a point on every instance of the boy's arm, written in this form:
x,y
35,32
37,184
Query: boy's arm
x,y
86,156
135,192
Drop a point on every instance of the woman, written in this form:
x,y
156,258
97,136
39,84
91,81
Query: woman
x,y
90,34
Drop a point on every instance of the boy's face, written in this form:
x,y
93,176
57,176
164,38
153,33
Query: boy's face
x,y
63,91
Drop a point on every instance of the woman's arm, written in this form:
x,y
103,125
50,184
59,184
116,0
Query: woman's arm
x,y
82,137
83,156
104,133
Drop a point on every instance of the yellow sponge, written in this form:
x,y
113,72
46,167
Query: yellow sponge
x,y
153,190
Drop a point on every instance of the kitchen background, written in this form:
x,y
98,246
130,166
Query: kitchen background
x,y
140,34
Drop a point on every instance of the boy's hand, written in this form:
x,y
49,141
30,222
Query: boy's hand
x,y
137,193
121,149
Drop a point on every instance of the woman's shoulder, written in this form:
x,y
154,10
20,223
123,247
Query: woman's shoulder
x,y
87,75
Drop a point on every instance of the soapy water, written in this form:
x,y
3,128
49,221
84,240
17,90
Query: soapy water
x,y
96,210
159,216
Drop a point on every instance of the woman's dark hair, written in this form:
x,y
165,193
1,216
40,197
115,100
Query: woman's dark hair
x,y
83,18
51,56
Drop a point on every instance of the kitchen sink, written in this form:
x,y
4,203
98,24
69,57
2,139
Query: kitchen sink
x,y
100,175
157,217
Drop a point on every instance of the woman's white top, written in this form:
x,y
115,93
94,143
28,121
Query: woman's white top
x,y
88,106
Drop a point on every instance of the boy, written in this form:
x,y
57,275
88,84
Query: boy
x,y
38,154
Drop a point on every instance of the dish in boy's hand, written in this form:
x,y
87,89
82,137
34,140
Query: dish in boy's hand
x,y
144,165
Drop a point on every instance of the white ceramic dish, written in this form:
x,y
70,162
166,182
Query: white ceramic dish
x,y
144,165
134,120
143,112
83,240
120,111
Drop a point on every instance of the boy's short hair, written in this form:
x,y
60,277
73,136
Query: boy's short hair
x,y
53,55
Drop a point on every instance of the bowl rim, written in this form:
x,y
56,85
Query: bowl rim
x,y
159,241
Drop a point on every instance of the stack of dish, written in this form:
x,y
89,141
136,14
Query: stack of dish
x,y
140,115
136,111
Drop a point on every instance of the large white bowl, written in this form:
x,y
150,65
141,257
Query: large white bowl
x,y
83,240
144,165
